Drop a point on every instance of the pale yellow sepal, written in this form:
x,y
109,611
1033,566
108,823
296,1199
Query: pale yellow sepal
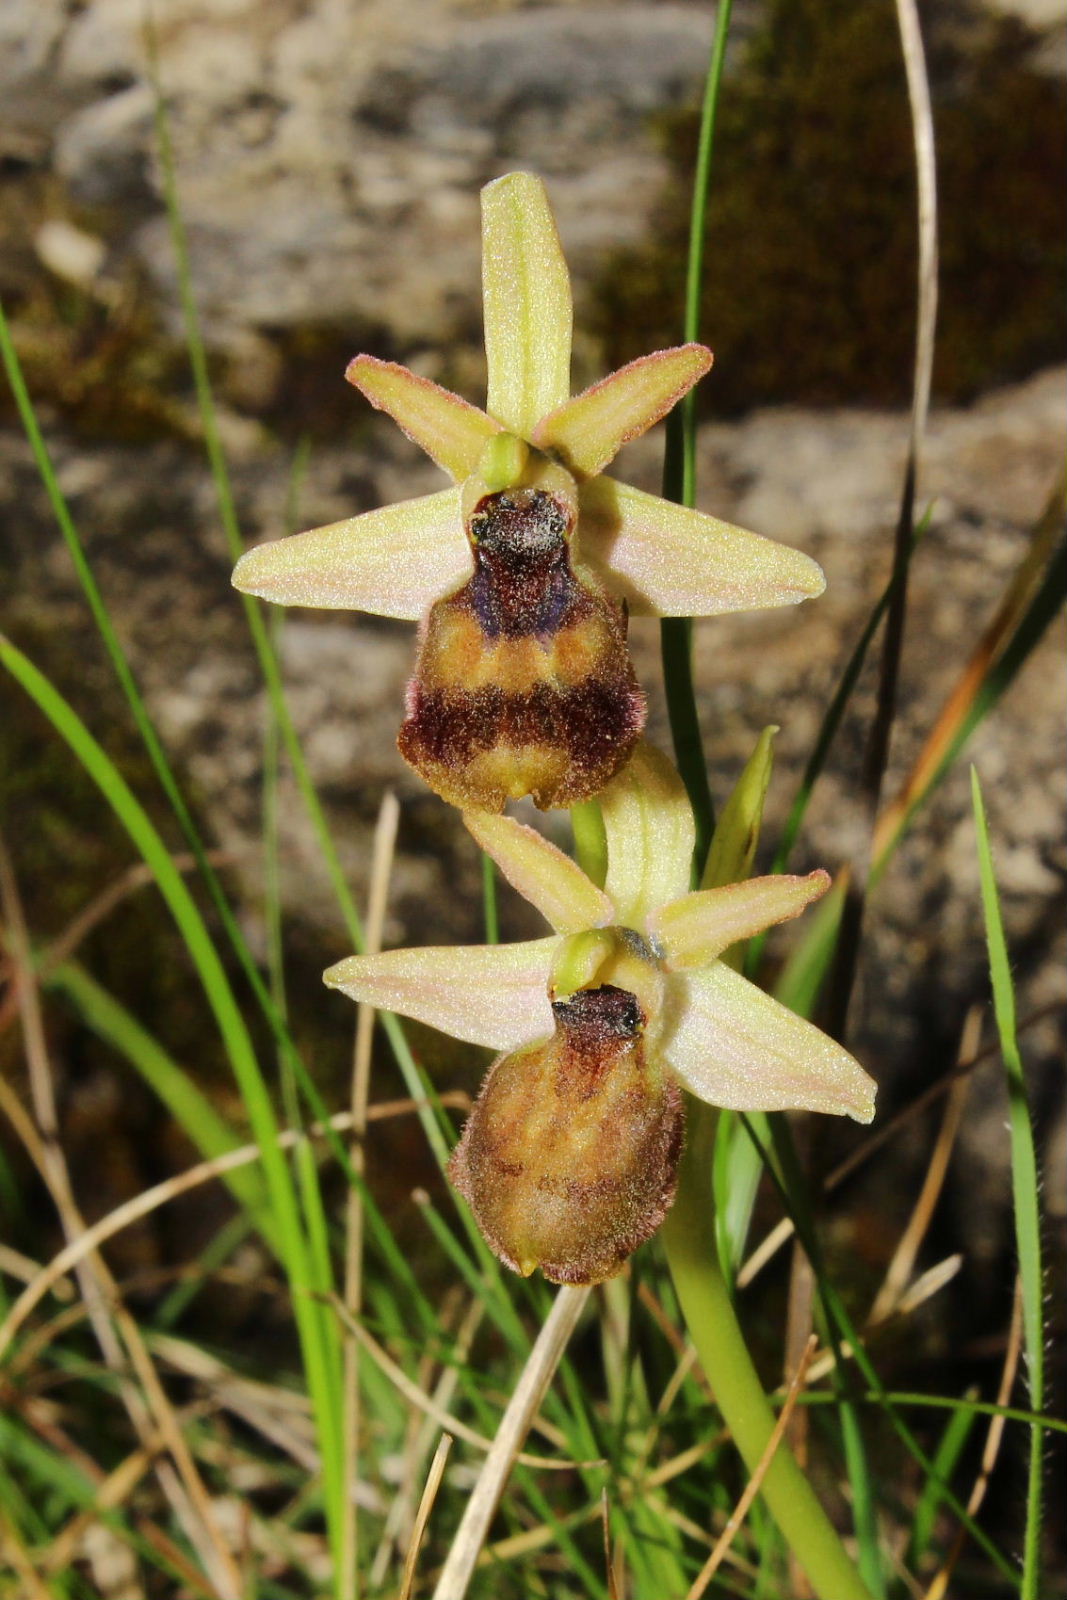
x,y
494,995
735,1046
668,561
695,929
543,875
394,562
648,823
527,299
452,432
588,431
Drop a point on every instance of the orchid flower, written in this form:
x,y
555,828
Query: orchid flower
x,y
521,574
569,1156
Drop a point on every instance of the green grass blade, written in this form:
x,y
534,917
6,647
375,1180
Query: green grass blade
x,y
146,728
798,988
128,683
736,1164
781,1162
842,1330
835,711
304,1160
268,660
864,1502
1024,1183
801,978
787,1171
214,1255
490,910
828,731
679,467
189,1106
1046,604
977,1408
318,1340
946,1457
481,1280
851,1334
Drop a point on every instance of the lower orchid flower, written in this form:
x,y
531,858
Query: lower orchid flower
x,y
570,1154
522,574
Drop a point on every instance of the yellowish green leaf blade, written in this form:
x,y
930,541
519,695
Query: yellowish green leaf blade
x,y
733,844
1024,1182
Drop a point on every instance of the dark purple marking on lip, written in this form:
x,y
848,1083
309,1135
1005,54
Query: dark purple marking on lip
x,y
523,683
522,584
596,1024
589,1015
591,722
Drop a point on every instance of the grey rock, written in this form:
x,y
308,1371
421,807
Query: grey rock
x,y
103,150
30,31
303,138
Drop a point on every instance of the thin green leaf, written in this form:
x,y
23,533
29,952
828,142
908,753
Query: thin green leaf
x,y
1046,604
828,730
1024,1183
737,1164
268,661
945,1460
679,467
189,1106
842,1330
317,1339
737,832
490,913
801,978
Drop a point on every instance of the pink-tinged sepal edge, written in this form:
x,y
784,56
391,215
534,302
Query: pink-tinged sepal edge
x,y
393,562
492,995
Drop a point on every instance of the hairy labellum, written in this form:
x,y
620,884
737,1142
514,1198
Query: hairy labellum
x,y
523,682
569,1156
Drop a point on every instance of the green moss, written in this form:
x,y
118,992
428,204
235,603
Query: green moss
x,y
811,251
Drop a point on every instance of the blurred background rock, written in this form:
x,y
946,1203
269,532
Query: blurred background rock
x,y
329,158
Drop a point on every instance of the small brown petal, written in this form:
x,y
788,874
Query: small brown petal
x,y
569,1157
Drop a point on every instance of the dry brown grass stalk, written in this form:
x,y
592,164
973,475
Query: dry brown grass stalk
x,y
380,873
116,1331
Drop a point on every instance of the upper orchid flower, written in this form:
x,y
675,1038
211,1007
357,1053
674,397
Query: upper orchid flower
x,y
569,1156
521,573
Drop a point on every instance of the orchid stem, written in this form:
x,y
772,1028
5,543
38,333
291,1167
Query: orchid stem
x,y
590,840
689,1235
679,469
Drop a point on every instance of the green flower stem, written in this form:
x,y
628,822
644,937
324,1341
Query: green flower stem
x,y
679,469
590,840
689,1235
676,650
